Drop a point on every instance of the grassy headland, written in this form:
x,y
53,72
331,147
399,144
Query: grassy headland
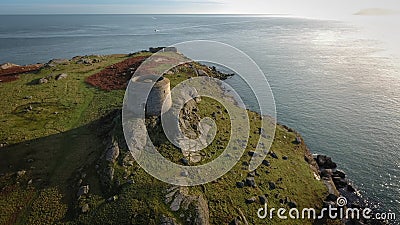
x,y
55,136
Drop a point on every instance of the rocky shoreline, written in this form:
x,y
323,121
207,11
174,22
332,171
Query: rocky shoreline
x,y
339,185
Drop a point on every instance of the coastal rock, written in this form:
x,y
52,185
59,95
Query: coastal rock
x,y
7,66
85,61
326,173
55,62
326,162
339,173
339,182
350,188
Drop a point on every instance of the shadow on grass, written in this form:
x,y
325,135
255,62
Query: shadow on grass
x,y
54,161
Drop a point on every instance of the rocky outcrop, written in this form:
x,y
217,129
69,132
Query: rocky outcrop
x,y
7,65
339,186
56,62
112,152
201,210
193,208
61,76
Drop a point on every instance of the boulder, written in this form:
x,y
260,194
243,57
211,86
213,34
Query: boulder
x,y
252,174
185,161
43,80
266,163
176,203
85,61
326,162
112,152
326,173
61,76
202,73
272,185
251,153
250,182
251,200
339,182
240,184
55,62
350,188
339,173
292,204
273,155
263,199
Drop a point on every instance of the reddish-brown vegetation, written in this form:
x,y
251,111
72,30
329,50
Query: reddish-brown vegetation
x,y
116,76
12,73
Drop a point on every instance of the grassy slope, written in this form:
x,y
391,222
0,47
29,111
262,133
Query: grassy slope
x,y
63,143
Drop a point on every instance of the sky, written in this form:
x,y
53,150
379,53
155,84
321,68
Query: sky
x,y
309,8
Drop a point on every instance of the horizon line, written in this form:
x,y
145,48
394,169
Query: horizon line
x,y
51,14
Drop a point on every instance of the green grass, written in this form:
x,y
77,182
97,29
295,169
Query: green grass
x,y
57,106
72,140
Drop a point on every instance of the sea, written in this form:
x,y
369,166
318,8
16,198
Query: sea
x,y
332,82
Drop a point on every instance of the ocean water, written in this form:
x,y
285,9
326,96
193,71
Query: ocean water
x,y
332,83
